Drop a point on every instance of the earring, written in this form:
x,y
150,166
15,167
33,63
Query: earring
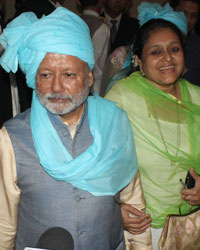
x,y
135,61
142,72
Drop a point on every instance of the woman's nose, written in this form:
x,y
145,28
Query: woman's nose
x,y
167,55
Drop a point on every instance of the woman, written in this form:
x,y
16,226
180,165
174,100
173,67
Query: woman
x,y
164,111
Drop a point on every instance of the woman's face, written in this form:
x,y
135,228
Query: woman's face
x,y
162,59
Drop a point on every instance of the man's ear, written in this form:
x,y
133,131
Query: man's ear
x,y
91,79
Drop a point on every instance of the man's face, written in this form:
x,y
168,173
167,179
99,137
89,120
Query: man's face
x,y
191,10
62,83
114,6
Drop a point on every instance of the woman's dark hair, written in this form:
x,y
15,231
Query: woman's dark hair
x,y
148,28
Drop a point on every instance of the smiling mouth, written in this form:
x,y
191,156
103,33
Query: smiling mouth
x,y
167,68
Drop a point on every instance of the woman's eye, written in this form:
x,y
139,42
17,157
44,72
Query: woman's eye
x,y
156,52
175,49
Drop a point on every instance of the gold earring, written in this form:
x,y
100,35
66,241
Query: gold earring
x,y
135,61
142,72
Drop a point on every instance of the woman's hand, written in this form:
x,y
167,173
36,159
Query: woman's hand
x,y
192,195
137,224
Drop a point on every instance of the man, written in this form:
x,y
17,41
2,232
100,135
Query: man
x,y
192,52
122,27
100,34
62,163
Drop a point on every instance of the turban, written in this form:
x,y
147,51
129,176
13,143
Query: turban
x,y
148,11
27,39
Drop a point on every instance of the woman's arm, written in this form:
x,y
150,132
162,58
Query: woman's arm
x,y
192,195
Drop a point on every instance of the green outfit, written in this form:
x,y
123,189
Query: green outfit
x,y
166,133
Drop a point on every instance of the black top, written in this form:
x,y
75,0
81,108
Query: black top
x,y
126,32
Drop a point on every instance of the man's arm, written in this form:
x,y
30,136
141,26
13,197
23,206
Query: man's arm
x,y
136,223
9,193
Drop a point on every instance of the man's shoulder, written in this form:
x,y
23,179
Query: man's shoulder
x,y
91,18
19,122
93,23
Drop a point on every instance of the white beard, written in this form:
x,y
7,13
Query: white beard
x,y
66,107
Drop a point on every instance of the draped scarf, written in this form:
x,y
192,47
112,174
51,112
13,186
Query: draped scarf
x,y
106,167
169,160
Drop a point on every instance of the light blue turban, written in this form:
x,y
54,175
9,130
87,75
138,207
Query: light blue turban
x,y
148,11
27,39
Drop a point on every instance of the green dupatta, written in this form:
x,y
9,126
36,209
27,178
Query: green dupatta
x,y
166,136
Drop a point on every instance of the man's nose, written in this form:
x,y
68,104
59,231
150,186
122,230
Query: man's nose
x,y
57,85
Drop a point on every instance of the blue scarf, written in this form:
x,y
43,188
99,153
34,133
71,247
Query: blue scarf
x,y
106,167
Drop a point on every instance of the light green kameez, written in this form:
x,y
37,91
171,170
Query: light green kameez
x,y
167,138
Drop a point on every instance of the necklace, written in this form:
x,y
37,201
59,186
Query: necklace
x,y
171,157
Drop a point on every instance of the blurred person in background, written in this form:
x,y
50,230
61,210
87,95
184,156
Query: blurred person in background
x,y
122,27
191,9
100,35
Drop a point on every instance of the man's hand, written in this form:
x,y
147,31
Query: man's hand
x,y
134,225
192,195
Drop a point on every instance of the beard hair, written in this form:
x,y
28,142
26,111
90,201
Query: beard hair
x,y
74,101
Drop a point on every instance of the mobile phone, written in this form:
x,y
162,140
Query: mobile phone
x,y
189,181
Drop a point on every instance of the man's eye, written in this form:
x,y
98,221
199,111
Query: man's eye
x,y
68,74
44,75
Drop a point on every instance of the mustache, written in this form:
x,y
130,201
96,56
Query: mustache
x,y
59,96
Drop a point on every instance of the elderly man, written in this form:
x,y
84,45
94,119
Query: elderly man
x,y
62,163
